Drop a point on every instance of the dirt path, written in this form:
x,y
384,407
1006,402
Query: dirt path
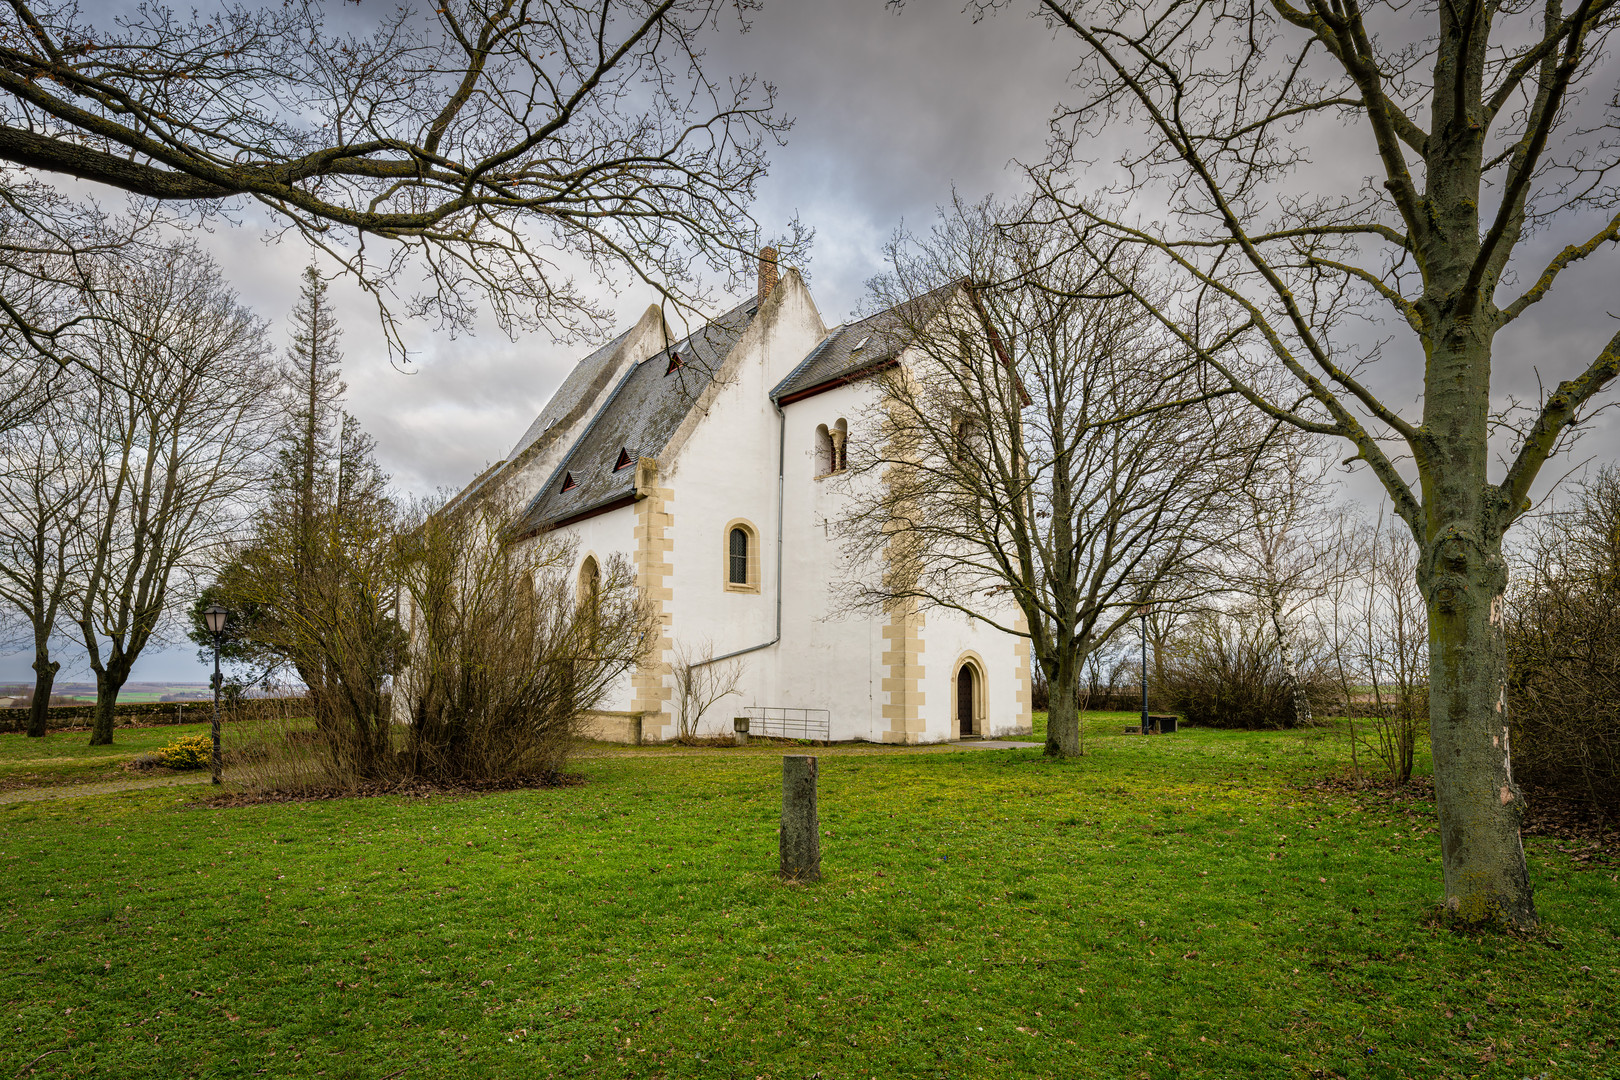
x,y
111,787
77,791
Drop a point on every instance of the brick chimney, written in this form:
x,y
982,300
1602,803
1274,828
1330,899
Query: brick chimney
x,y
767,272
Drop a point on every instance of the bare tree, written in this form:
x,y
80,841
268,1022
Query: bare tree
x,y
44,492
1041,464
1378,642
494,141
175,434
1282,559
54,253
1457,130
701,684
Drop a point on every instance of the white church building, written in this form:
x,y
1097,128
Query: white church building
x,y
714,463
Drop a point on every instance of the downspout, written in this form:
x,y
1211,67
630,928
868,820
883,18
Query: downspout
x,y
781,470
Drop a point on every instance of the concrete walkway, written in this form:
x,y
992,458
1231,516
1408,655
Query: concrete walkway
x,y
110,787
764,749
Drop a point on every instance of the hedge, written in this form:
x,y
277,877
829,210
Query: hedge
x,y
135,714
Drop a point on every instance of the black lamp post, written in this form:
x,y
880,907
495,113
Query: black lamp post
x,y
215,617
1142,610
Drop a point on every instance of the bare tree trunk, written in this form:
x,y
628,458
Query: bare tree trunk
x,y
44,681
1063,714
108,684
1302,701
1479,805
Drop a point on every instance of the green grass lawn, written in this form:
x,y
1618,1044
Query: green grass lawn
x,y
66,757
1167,907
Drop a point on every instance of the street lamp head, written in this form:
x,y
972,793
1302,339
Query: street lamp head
x,y
214,616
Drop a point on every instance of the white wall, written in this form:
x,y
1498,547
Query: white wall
x,y
722,467
604,536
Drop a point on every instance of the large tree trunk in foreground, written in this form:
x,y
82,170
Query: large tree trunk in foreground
x,y
1063,712
1480,808
44,682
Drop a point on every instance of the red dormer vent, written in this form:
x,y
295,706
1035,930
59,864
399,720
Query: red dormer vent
x,y
624,461
675,363
569,483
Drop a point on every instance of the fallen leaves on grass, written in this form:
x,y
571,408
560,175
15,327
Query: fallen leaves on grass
x,y
1586,840
414,787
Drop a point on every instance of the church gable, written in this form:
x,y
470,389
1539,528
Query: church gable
x,y
649,404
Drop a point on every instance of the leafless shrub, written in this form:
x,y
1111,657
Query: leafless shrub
x,y
700,684
1563,649
1225,670
507,649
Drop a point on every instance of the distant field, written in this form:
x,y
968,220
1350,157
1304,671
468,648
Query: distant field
x,y
132,694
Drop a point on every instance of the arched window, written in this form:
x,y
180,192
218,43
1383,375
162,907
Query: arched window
x,y
742,557
840,445
590,582
826,456
737,568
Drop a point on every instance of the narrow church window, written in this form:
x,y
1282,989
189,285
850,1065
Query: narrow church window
x,y
624,461
675,363
840,445
739,556
826,459
590,582
569,483
741,553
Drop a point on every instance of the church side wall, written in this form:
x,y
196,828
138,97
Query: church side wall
x,y
724,475
832,652
602,537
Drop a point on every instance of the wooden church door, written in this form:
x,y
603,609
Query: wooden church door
x,y
964,699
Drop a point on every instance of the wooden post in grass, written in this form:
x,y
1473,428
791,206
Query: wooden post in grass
x,y
800,842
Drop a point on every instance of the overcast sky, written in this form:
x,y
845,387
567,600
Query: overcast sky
x,y
893,110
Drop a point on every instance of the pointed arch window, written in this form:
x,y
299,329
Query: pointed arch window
x,y
589,587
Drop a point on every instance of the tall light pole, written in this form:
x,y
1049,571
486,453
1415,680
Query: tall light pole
x,y
215,617
1142,610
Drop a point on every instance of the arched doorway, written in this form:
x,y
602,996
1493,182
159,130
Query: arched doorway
x,y
969,700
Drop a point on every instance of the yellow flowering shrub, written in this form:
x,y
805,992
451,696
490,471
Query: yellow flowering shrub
x,y
188,752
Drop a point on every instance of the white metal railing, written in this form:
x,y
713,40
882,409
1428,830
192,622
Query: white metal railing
x,y
783,722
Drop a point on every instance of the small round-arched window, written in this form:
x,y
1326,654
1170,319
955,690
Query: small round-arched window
x,y
741,554
737,563
826,455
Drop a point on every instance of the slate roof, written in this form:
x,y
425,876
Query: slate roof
x,y
640,418
577,388
855,349
574,389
